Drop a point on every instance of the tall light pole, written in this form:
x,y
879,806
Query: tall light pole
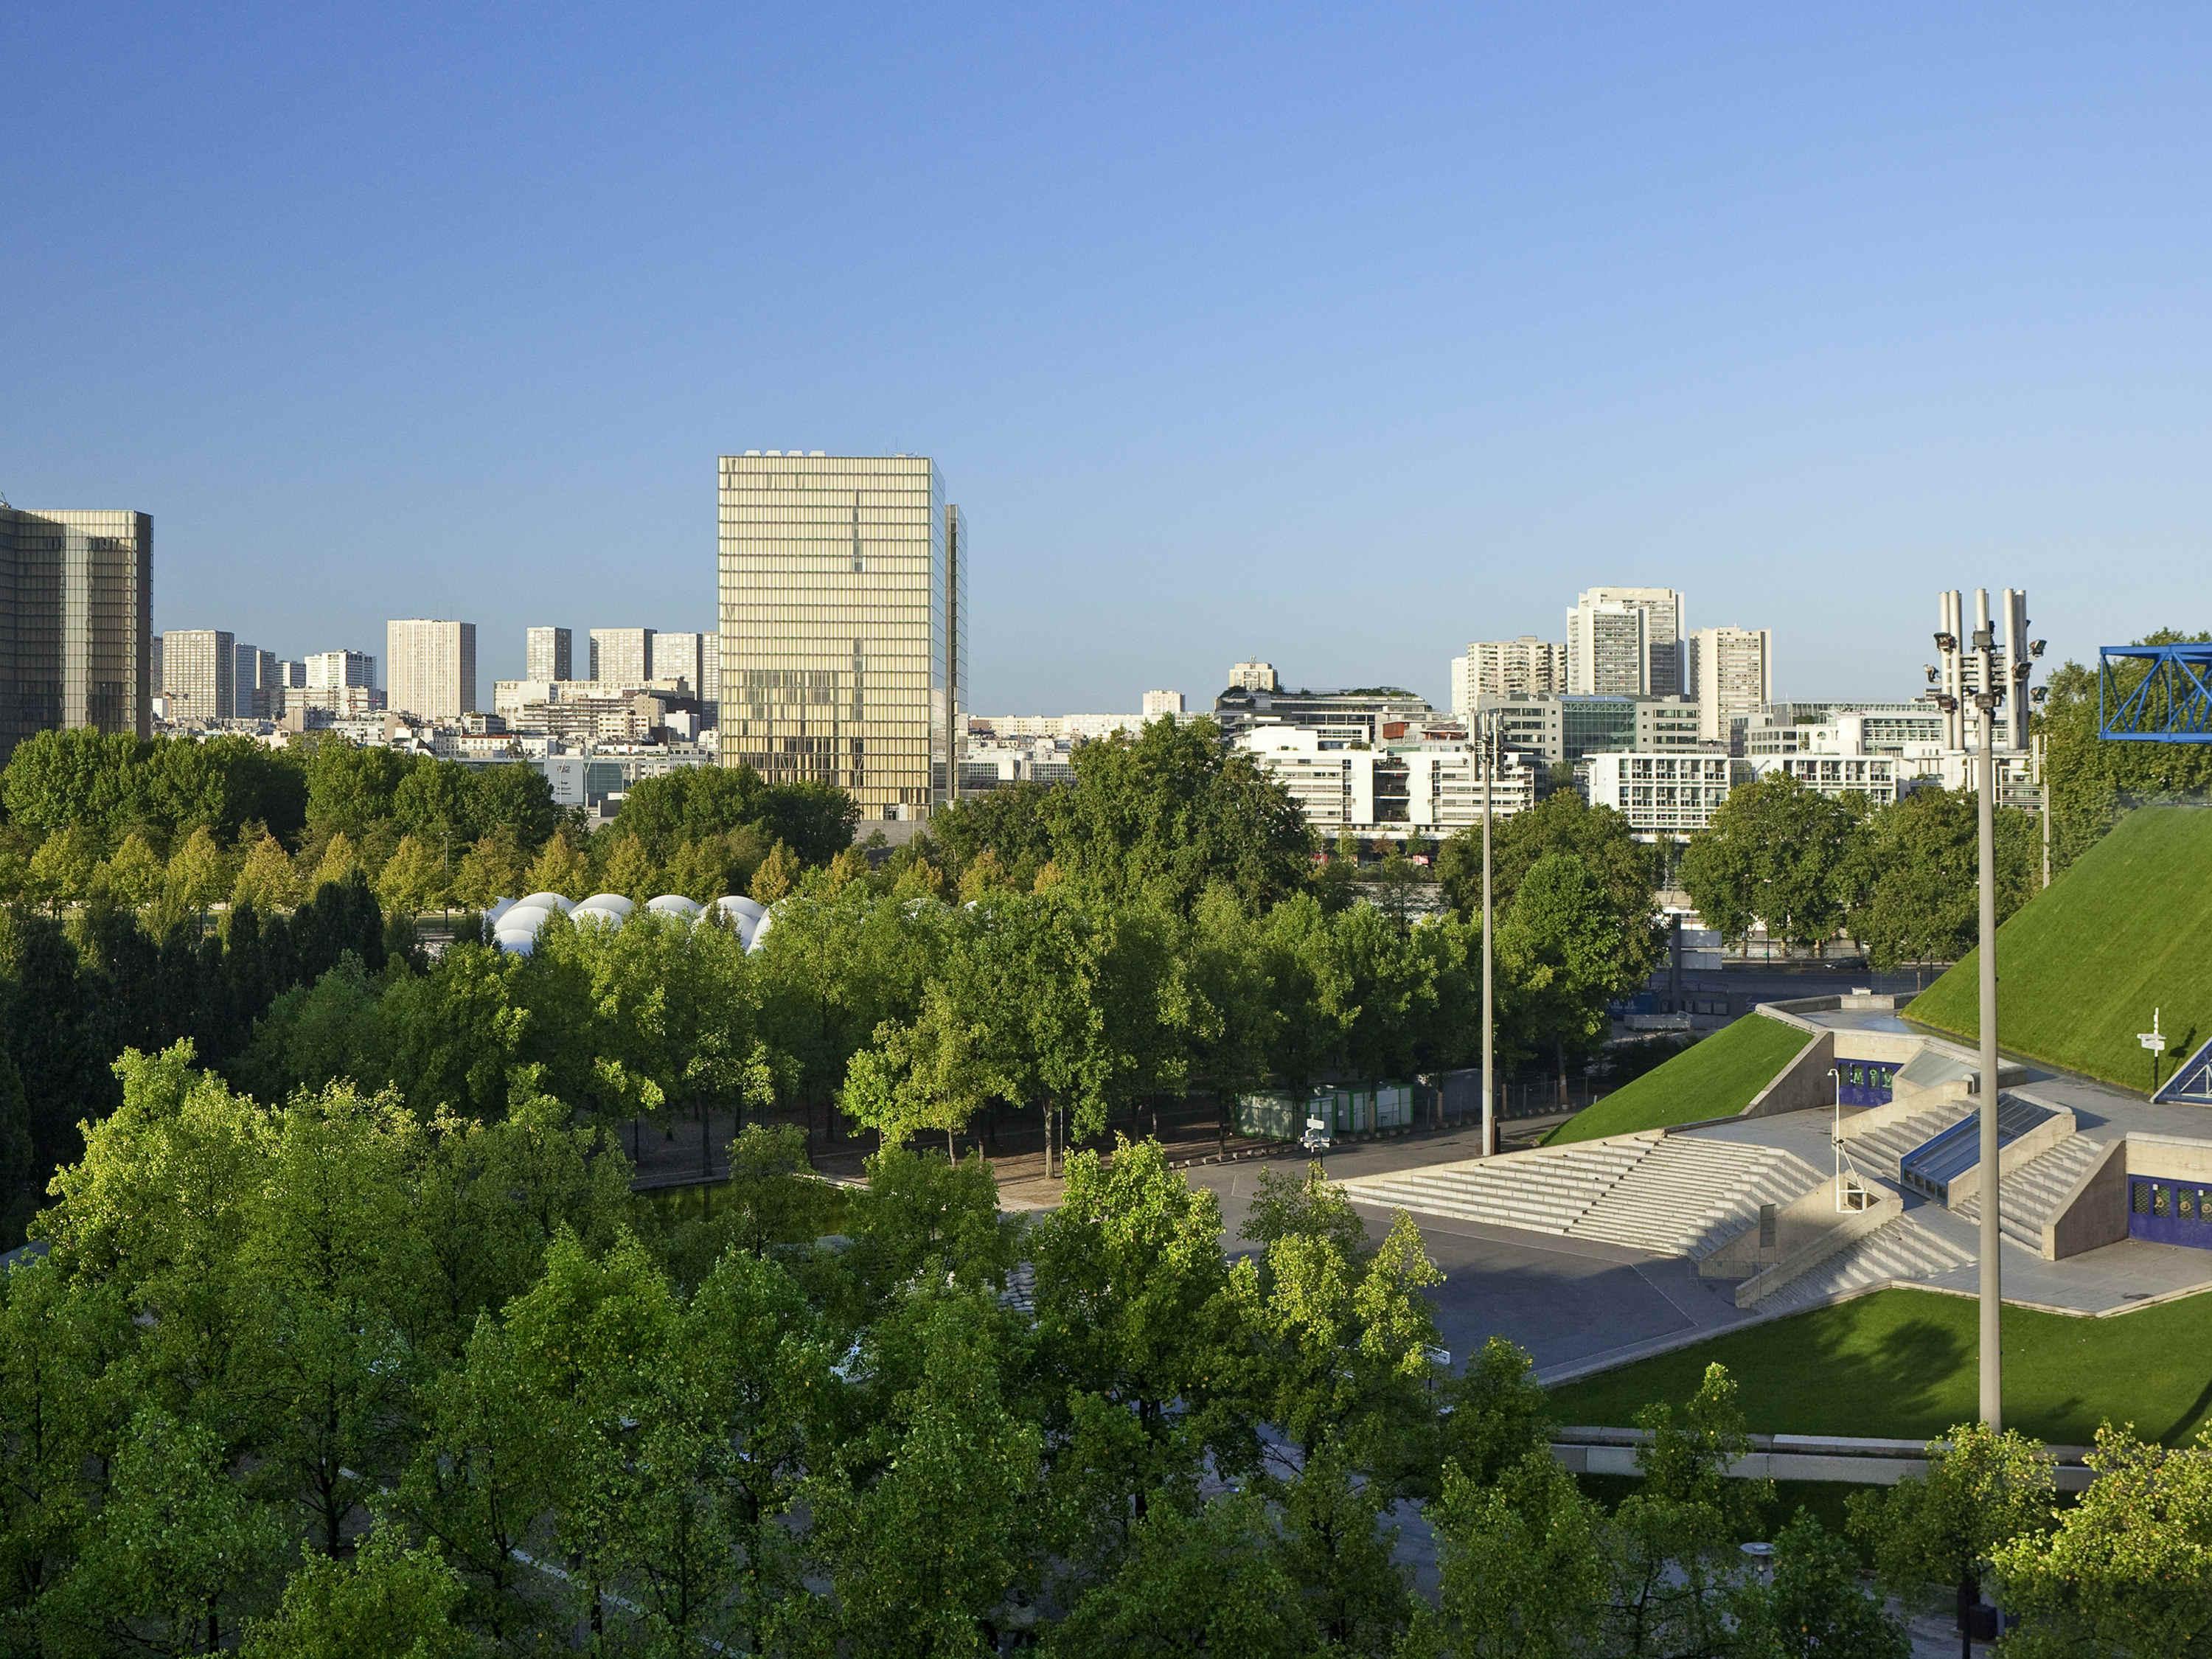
x,y
1987,691
1483,727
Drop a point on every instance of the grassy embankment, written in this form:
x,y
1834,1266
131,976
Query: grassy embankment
x,y
1714,1077
2081,966
1901,1365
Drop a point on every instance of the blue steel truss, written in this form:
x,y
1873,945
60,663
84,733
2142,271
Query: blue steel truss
x,y
2168,700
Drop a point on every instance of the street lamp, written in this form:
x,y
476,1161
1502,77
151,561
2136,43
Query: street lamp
x,y
1486,727
1987,693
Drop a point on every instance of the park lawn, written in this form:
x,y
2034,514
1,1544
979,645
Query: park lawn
x,y
2082,965
1900,1364
1715,1077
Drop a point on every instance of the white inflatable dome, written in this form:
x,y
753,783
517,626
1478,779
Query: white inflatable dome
x,y
675,905
516,943
522,918
598,915
499,907
551,901
614,901
760,932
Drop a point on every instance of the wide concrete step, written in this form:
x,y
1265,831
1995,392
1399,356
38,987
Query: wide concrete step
x,y
1881,1151
2029,1198
1692,1195
1901,1250
1542,1194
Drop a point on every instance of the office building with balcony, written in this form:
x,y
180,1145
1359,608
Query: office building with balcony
x,y
843,614
76,596
1663,796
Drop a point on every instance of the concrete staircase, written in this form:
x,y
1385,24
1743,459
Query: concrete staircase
x,y
1542,1193
1690,1195
1902,1251
1879,1152
2028,1198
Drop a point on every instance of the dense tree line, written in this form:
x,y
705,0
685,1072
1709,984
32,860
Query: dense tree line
x,y
1901,878
192,825
74,995
340,1376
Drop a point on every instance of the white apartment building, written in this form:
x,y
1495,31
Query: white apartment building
x,y
1254,677
1522,667
1603,654
681,657
331,668
1731,674
622,655
1158,704
1870,728
1428,789
430,666
1609,650
1872,777
1071,728
200,668
1662,795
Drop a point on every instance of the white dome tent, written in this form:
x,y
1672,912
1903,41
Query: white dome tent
x,y
515,924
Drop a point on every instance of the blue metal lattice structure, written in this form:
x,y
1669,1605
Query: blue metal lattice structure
x,y
2169,700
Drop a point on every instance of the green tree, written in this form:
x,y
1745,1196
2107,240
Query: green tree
x,y
132,874
815,820
340,860
927,1553
777,875
630,868
1566,957
177,1555
2128,1569
1813,1606
412,879
266,879
1209,1578
197,875
66,866
1521,1574
1941,1529
1920,899
561,868
1597,836
388,1603
493,868
1778,852
1338,1550
516,796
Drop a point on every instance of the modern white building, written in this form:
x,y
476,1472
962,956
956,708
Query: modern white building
x,y
253,684
1871,777
1661,795
1731,676
430,667
1398,790
339,668
1610,652
549,654
684,656
1158,704
1254,677
1869,728
1568,728
1064,728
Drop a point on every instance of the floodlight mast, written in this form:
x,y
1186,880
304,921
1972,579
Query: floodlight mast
x,y
1988,695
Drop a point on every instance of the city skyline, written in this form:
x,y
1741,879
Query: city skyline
x,y
1344,341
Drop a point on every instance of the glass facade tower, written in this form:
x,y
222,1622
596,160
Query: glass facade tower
x,y
77,600
843,645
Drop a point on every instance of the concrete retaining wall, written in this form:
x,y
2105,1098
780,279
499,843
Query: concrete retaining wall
x,y
2014,1154
1803,1083
1849,1227
2096,1212
1795,1457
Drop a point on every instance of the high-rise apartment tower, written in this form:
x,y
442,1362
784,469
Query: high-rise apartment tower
x,y
430,668
1597,636
622,656
549,654
199,674
1731,674
77,600
843,657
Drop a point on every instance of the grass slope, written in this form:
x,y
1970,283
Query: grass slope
x,y
2081,967
1901,1364
1711,1077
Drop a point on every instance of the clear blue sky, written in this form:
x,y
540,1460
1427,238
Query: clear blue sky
x,y
1339,337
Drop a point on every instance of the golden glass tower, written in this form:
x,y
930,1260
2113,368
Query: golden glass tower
x,y
843,626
